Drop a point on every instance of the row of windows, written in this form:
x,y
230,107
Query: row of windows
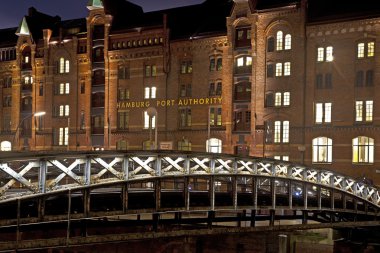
x,y
281,43
150,92
135,43
282,69
185,120
362,150
363,50
363,111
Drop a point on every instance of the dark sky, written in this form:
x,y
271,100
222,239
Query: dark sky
x,y
12,11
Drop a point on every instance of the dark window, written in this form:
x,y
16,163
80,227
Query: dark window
x,y
185,117
8,82
185,90
122,120
270,70
123,94
211,90
7,101
186,67
82,121
369,78
270,44
269,99
82,87
328,81
243,37
359,79
243,91
150,70
218,91
41,89
123,72
319,81
212,64
219,64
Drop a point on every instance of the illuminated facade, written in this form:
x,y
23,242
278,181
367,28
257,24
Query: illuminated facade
x,y
261,78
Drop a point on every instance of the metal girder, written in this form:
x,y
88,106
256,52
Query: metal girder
x,y
88,169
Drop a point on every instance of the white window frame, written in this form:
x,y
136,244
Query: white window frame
x,y
322,150
363,150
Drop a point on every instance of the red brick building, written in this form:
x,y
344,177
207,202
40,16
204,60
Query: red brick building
x,y
291,80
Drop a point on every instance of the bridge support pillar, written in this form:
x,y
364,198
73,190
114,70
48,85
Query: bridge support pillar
x,y
210,218
272,214
125,198
186,193
156,218
178,217
282,243
157,192
304,217
253,218
41,208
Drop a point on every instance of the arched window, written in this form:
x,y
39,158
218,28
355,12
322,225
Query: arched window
x,y
279,42
214,145
322,150
5,146
362,150
270,44
288,42
64,65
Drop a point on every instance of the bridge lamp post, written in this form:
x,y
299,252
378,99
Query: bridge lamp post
x,y
36,114
152,112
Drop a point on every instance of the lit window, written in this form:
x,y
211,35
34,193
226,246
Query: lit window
x,y
279,42
360,50
364,111
240,62
278,69
150,92
321,54
64,88
322,150
369,110
323,113
287,69
147,119
6,146
359,111
67,66
248,61
288,42
214,145
281,157
371,49
362,150
63,136
26,59
286,98
329,54
281,131
64,65
215,116
278,99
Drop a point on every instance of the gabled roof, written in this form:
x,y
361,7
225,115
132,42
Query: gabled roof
x,y
202,19
326,11
8,37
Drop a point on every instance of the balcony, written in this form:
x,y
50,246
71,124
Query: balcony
x,y
243,70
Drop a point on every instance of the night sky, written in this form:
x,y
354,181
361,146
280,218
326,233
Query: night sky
x,y
12,11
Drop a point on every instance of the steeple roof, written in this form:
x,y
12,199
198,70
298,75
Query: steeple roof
x,y
95,4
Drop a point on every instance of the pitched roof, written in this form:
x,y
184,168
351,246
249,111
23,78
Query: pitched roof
x,y
183,22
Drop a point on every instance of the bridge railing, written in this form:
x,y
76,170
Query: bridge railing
x,y
25,174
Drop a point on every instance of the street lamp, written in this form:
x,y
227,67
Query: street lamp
x,y
36,114
152,112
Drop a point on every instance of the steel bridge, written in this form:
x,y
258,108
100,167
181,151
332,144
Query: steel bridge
x,y
72,195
